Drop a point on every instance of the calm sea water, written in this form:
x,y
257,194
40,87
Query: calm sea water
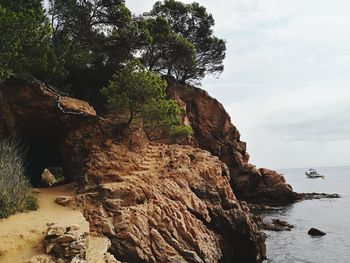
x,y
331,216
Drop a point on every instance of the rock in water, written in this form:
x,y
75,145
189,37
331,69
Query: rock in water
x,y
316,232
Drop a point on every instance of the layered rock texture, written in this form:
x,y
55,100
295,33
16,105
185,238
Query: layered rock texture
x,y
67,243
70,244
214,132
154,202
168,204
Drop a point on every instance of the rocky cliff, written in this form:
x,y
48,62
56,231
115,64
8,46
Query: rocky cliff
x,y
154,202
214,132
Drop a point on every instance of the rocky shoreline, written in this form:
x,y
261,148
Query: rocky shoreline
x,y
311,196
154,201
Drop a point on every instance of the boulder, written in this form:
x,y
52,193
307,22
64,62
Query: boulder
x,y
66,243
47,178
274,225
316,232
65,200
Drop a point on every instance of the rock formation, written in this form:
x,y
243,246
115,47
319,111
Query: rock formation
x,y
316,232
310,196
273,225
67,243
47,178
154,202
160,205
70,244
41,118
214,132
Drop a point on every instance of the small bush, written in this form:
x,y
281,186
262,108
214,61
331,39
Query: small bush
x,y
31,203
143,93
15,190
6,207
180,132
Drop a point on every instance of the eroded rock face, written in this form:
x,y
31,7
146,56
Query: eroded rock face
x,y
158,205
214,132
162,203
154,202
27,104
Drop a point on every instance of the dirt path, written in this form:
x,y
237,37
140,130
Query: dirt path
x,y
21,234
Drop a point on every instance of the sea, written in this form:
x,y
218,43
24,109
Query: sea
x,y
329,215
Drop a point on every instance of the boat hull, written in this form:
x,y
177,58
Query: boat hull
x,y
311,176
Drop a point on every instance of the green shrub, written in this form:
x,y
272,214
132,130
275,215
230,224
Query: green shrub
x,y
180,132
31,203
143,94
6,207
15,191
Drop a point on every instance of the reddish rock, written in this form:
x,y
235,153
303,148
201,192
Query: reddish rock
x,y
65,200
168,210
36,114
155,203
30,103
214,132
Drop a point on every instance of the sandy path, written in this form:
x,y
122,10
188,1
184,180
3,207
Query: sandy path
x,y
21,234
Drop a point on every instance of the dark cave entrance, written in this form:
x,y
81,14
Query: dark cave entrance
x,y
30,113
43,152
37,158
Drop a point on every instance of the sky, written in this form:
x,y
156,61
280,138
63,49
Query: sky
x,y
286,78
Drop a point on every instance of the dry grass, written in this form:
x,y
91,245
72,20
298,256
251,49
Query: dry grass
x,y
15,190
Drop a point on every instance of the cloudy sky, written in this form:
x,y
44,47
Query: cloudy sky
x,y
286,79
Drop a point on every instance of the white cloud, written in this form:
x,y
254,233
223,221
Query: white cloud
x,y
286,80
309,126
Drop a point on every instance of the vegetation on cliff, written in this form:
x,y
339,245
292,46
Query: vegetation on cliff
x,y
89,48
15,191
143,94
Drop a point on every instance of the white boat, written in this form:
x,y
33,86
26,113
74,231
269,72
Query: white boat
x,y
312,173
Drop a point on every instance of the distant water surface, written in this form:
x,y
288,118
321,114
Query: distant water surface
x,y
329,215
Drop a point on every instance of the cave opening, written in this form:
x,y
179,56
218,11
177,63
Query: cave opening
x,y
40,153
30,113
